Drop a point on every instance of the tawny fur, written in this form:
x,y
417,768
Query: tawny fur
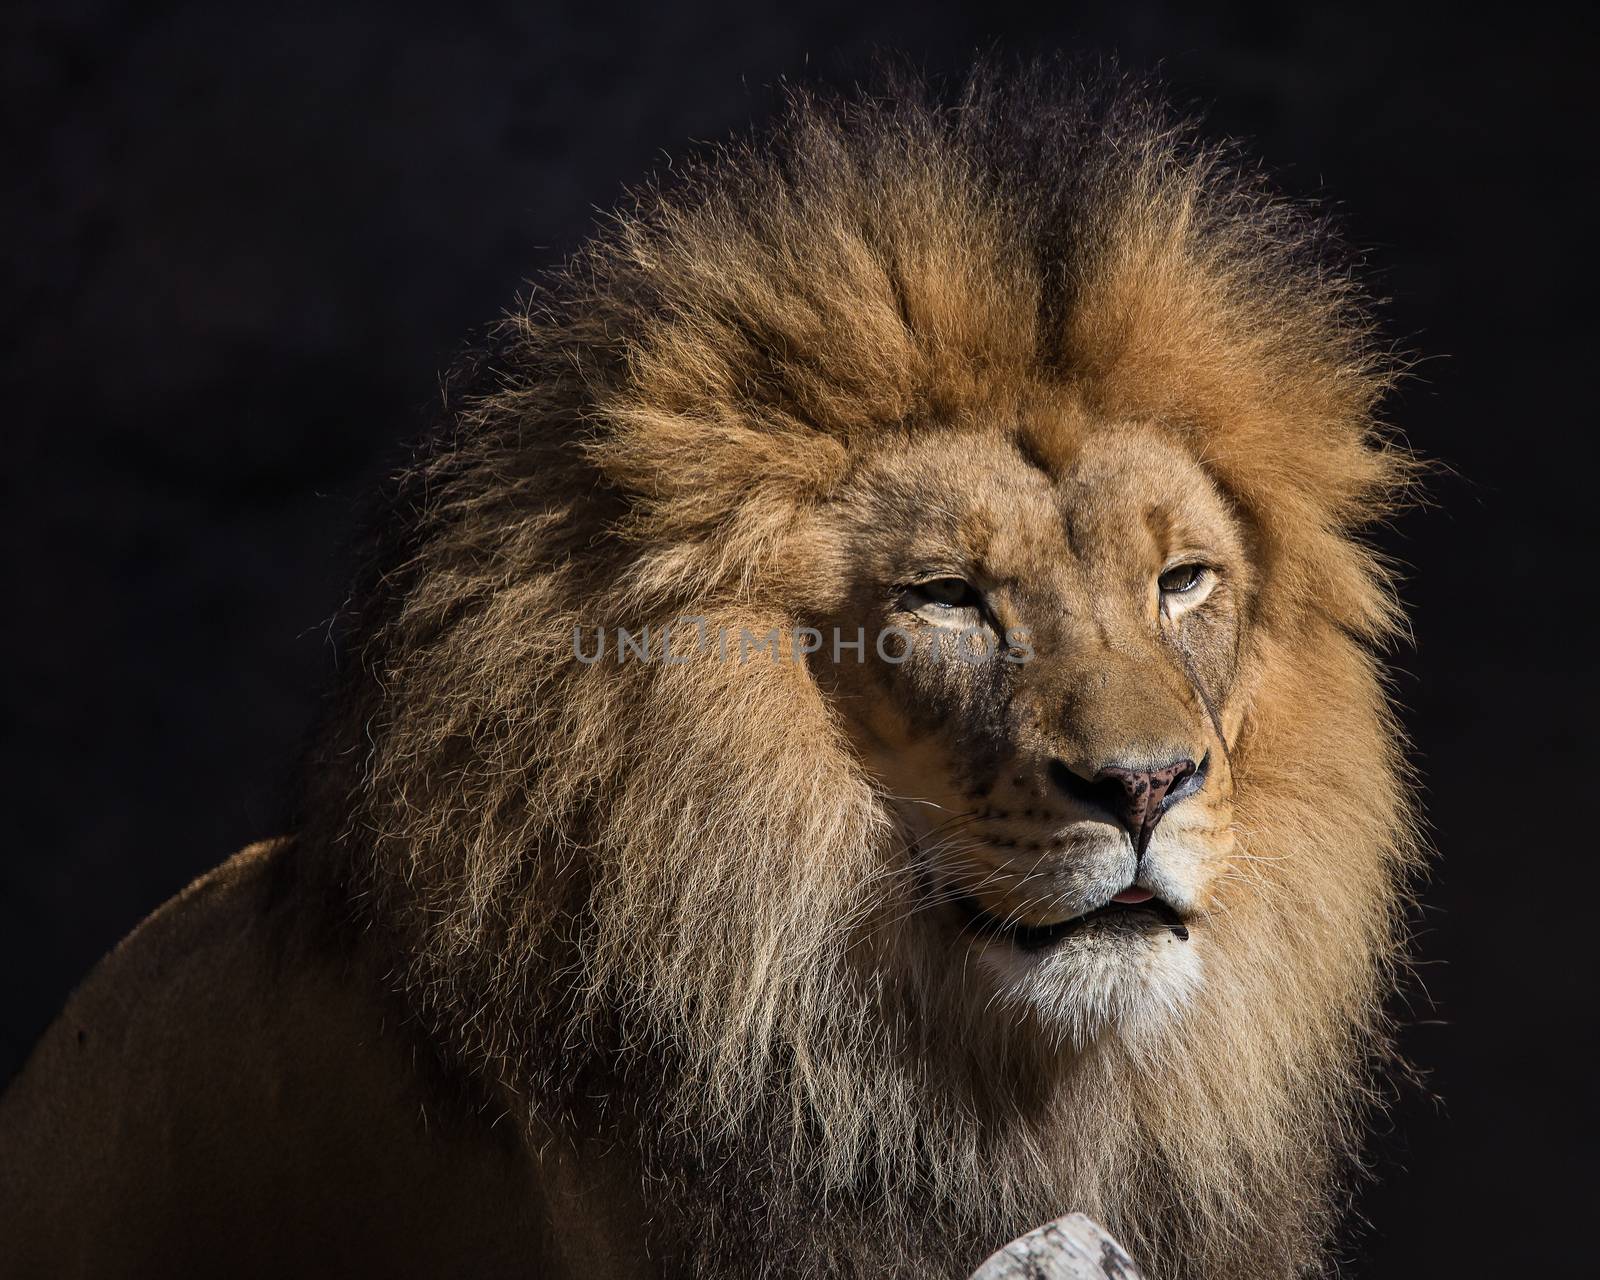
x,y
650,884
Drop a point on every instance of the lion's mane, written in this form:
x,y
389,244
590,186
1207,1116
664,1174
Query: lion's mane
x,y
632,899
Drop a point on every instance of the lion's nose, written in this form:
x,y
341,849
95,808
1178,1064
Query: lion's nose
x,y
1138,798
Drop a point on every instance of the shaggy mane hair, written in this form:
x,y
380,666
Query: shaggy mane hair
x,y
667,886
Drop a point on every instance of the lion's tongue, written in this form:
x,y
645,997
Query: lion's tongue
x,y
1133,894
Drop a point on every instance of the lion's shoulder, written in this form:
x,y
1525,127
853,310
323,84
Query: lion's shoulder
x,y
130,1011
224,1092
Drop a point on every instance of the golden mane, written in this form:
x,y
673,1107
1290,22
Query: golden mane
x,y
664,884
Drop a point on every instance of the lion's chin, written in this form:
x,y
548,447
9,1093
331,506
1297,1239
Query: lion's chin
x,y
1125,969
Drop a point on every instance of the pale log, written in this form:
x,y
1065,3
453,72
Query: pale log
x,y
1071,1248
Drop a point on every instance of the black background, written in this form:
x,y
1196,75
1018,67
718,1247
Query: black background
x,y
241,240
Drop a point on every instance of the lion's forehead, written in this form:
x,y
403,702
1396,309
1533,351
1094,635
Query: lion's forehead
x,y
1108,499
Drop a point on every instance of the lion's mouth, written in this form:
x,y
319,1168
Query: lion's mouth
x,y
1131,909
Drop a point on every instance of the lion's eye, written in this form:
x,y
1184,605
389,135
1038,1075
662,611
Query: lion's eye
x,y
946,593
1181,579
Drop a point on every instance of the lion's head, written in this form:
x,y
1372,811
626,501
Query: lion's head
x,y
992,807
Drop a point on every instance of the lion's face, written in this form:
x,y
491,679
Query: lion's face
x,y
1046,693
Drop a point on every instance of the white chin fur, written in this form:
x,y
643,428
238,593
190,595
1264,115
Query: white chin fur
x,y
1088,986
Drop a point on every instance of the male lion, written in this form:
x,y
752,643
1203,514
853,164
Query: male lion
x,y
992,808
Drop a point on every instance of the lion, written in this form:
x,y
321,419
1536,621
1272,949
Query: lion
x,y
863,731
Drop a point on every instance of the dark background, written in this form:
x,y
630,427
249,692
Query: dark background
x,y
240,241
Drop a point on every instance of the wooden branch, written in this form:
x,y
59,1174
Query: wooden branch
x,y
1070,1248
